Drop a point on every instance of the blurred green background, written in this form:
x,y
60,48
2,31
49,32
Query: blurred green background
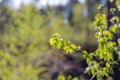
x,y
25,53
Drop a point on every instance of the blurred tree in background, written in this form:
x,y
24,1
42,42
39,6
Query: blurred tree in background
x,y
4,15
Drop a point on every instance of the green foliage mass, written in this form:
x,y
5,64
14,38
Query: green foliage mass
x,y
101,62
66,45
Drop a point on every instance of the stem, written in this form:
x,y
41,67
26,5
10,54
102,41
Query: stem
x,y
94,76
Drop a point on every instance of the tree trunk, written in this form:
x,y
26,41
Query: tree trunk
x,y
110,15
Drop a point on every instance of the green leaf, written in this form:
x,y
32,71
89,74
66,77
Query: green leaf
x,y
113,29
61,77
100,6
78,48
99,77
118,4
85,54
107,65
75,78
56,35
118,41
110,70
51,41
108,35
112,10
101,42
73,46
